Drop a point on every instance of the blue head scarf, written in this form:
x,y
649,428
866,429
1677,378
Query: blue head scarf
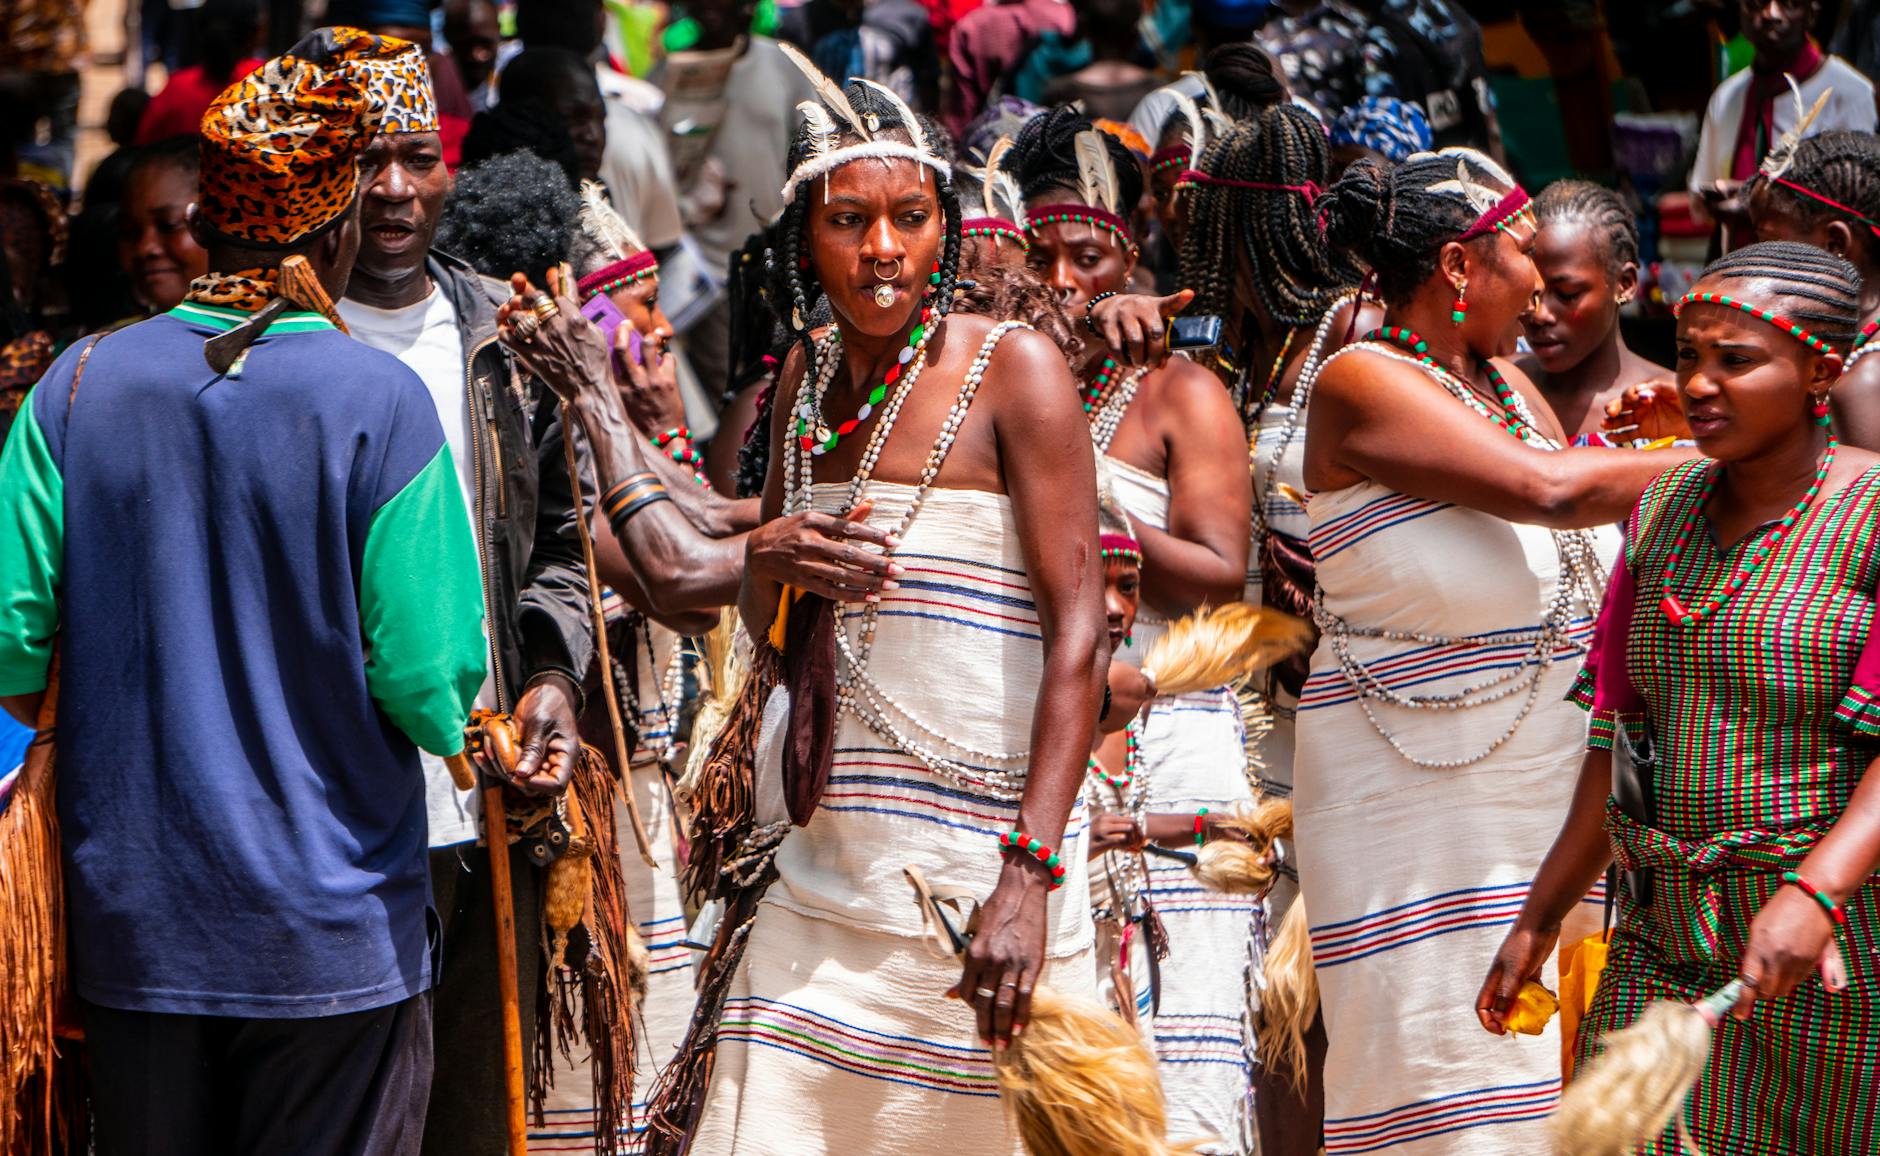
x,y
1390,126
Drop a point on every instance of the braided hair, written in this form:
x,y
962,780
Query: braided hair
x,y
1044,158
1274,233
1390,218
1246,79
1601,210
1842,166
794,291
1820,291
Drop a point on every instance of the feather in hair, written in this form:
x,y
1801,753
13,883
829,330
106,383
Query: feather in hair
x,y
827,91
996,181
822,127
1783,154
1196,136
1096,176
909,121
604,226
1207,89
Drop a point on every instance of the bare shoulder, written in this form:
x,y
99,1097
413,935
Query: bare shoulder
x,y
1027,374
1363,375
1543,410
1181,382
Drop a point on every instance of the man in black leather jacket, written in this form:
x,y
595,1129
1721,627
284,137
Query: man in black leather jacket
x,y
439,317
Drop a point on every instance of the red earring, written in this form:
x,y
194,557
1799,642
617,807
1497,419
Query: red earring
x,y
1460,312
1819,409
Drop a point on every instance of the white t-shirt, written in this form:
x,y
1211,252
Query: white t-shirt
x,y
424,336
1849,109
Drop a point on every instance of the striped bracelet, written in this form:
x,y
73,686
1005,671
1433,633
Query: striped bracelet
x,y
1019,841
1819,896
630,495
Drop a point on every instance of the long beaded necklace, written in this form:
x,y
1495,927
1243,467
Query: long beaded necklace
x,y
1580,573
1512,417
997,774
1271,389
1863,345
1115,404
1128,878
1302,396
812,430
1671,605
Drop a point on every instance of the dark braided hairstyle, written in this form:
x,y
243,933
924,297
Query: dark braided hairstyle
x,y
1388,217
1819,291
1044,158
1246,78
1842,166
794,291
1274,233
1601,210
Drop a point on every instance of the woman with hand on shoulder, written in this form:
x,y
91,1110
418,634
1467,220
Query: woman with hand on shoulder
x,y
1456,587
1587,254
1740,635
1179,466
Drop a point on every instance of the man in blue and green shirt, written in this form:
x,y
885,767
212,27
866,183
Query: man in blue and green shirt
x,y
265,597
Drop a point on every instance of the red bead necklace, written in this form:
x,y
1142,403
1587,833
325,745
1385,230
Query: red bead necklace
x,y
1410,342
1682,615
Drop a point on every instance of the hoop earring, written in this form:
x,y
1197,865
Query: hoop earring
x,y
1459,312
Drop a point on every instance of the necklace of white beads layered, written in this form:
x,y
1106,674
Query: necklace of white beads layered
x,y
998,774
1579,574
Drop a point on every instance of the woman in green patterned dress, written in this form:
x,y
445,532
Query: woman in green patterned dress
x,y
1739,632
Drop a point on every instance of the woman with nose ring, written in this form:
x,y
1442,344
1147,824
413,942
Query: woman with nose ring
x,y
1457,581
1739,634
1173,445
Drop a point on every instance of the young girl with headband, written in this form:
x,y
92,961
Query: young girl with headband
x,y
1739,635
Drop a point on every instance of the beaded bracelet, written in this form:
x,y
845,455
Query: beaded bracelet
x,y
1819,896
1090,322
1019,841
677,433
1201,826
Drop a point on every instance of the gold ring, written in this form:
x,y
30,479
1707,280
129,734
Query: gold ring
x,y
545,307
526,325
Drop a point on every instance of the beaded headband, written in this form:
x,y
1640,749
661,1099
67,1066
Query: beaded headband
x,y
1090,215
1513,208
1172,157
995,227
1761,314
1192,177
832,104
1119,546
619,274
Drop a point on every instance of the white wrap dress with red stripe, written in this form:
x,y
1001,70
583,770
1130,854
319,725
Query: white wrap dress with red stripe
x,y
1411,874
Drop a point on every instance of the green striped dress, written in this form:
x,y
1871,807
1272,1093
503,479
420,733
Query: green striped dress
x,y
1766,716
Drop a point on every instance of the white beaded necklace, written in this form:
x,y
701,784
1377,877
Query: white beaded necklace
x,y
1302,396
1579,574
1109,414
998,774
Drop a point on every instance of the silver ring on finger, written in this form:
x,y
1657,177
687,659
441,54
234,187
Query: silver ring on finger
x,y
984,992
1011,983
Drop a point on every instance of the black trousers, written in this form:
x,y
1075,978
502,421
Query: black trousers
x,y
468,1098
192,1085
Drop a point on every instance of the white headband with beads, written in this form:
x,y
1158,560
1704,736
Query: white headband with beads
x,y
820,116
822,164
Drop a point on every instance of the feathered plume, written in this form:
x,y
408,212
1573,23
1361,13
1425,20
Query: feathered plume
x,y
1207,89
1215,646
1196,134
604,226
1096,176
822,128
999,185
915,136
1783,154
827,91
1479,196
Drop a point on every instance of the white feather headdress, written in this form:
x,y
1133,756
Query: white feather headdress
x,y
1096,173
1782,154
604,226
832,106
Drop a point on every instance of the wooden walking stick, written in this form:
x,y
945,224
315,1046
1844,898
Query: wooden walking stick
x,y
559,280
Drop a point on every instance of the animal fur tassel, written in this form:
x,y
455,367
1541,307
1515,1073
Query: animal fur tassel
x,y
721,675
1640,1081
1246,868
1079,1081
1291,996
1217,646
34,1114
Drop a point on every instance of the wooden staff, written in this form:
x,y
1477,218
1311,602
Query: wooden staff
x,y
502,898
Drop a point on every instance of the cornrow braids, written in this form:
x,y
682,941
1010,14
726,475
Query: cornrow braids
x,y
1273,232
1600,210
1841,166
793,286
1817,290
1044,157
1390,217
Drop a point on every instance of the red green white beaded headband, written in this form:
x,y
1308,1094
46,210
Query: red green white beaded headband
x,y
618,275
1497,212
1077,214
1172,157
1119,546
995,227
1789,327
1514,208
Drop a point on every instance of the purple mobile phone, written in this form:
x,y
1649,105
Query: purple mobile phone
x,y
605,315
